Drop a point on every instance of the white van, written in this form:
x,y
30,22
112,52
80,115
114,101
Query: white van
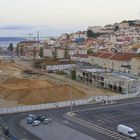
x,y
123,129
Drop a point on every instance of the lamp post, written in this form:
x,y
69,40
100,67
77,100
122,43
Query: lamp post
x,y
70,81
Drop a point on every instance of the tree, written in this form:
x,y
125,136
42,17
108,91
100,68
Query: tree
x,y
116,28
138,55
73,74
11,47
92,34
89,33
17,50
54,53
90,51
41,54
34,53
21,51
66,53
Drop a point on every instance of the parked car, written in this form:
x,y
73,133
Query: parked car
x,y
42,118
36,122
31,115
47,120
39,116
31,118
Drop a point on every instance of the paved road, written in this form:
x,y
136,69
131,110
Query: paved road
x,y
109,117
104,116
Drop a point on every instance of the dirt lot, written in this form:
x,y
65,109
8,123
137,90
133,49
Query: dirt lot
x,y
31,91
27,91
14,89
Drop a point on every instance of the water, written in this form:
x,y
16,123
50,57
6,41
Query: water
x,y
5,41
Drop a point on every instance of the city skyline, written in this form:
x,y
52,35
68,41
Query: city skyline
x,y
53,17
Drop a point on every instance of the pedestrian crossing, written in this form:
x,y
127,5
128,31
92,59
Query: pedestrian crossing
x,y
2,137
99,129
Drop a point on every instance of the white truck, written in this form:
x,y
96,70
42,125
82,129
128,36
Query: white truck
x,y
123,129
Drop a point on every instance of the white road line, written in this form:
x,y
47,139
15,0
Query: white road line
x,y
110,106
98,129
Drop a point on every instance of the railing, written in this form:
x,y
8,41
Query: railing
x,y
26,108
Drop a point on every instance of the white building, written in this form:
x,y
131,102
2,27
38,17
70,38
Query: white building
x,y
48,52
59,67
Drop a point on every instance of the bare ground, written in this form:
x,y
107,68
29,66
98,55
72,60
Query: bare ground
x,y
15,90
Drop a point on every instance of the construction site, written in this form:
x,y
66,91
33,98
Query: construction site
x,y
21,85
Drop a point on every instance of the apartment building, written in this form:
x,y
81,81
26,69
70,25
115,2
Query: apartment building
x,y
113,61
48,51
117,82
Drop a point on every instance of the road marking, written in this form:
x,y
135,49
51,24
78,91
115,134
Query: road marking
x,y
96,128
110,106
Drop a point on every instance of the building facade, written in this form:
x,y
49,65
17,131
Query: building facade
x,y
116,82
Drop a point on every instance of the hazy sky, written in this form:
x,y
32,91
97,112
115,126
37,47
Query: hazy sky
x,y
53,17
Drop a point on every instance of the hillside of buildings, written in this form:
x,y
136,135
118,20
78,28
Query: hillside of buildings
x,y
114,49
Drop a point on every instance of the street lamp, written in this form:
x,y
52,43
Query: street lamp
x,y
70,81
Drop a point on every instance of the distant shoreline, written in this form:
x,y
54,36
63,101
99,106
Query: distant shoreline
x,y
11,38
5,41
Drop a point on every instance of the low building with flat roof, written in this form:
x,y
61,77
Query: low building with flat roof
x,y
118,82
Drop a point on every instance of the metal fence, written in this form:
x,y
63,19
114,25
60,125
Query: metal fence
x,y
25,108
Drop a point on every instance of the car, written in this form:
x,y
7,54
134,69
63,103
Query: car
x,y
36,122
47,120
30,120
42,118
31,115
39,116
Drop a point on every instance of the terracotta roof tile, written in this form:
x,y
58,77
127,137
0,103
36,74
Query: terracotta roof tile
x,y
123,56
81,55
106,55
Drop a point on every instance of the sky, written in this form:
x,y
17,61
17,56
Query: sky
x,y
54,17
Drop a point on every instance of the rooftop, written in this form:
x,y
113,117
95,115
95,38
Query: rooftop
x,y
123,56
94,70
81,55
103,72
120,75
115,56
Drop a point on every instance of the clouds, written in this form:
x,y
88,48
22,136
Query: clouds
x,y
16,27
54,16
